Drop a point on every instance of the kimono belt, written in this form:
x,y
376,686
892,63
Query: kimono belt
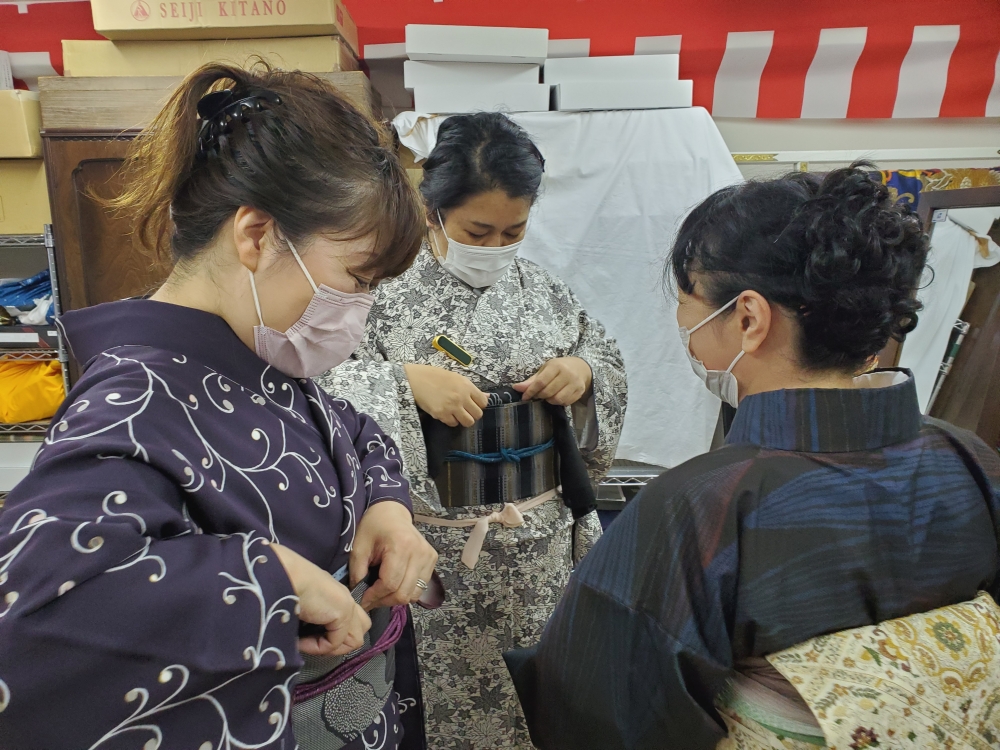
x,y
338,697
511,516
927,680
519,450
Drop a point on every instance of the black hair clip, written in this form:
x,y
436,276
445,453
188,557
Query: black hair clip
x,y
218,111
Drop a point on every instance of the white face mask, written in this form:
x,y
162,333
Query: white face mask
x,y
476,266
722,383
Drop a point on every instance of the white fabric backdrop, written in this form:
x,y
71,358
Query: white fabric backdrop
x,y
616,186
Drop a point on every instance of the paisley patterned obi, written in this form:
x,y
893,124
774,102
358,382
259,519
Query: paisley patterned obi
x,y
929,681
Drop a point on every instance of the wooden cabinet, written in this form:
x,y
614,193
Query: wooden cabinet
x,y
95,256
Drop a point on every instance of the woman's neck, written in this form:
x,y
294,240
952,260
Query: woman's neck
x,y
792,378
195,288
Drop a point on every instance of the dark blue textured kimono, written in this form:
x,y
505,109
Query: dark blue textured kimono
x,y
140,606
826,510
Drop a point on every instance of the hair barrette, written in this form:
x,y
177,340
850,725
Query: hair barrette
x,y
218,111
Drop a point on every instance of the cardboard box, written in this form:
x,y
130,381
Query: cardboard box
x,y
455,73
222,19
130,103
24,197
484,44
20,121
617,68
505,97
315,54
575,96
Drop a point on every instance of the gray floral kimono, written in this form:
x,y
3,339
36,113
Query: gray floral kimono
x,y
512,328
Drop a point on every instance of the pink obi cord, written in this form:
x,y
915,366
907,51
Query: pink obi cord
x,y
347,669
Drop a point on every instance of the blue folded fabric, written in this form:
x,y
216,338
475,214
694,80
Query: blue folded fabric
x,y
24,293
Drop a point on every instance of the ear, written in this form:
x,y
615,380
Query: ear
x,y
250,227
754,313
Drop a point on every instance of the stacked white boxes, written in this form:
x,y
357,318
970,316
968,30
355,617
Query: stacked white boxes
x,y
626,82
476,68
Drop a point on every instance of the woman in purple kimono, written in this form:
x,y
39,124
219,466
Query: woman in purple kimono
x,y
206,534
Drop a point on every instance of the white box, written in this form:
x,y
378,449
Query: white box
x,y
620,68
457,74
569,48
504,97
485,44
592,95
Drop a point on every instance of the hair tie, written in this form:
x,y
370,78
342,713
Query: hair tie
x,y
218,111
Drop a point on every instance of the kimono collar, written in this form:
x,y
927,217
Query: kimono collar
x,y
196,334
882,409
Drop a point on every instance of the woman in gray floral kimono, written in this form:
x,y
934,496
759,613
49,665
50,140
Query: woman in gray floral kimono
x,y
528,337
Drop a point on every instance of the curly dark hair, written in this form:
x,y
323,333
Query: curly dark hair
x,y
834,251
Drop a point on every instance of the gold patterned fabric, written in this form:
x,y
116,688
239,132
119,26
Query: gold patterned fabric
x,y
906,185
928,681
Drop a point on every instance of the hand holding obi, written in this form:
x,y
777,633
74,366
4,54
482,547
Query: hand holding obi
x,y
561,381
388,539
324,601
447,396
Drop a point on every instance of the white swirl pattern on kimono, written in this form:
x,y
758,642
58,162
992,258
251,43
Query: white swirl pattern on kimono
x,y
275,450
139,721
30,521
212,469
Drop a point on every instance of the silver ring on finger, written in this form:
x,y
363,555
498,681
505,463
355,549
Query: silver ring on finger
x,y
421,584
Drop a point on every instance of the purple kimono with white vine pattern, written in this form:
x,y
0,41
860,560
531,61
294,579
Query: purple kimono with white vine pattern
x,y
140,606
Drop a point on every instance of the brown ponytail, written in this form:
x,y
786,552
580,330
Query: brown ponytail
x,y
313,162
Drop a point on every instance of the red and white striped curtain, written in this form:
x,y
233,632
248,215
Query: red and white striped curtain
x,y
767,58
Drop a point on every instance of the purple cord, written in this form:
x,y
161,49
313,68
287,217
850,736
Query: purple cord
x,y
347,669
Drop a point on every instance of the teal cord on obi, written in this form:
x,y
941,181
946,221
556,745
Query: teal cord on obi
x,y
508,455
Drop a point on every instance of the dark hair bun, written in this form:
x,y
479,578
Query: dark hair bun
x,y
863,263
835,251
478,153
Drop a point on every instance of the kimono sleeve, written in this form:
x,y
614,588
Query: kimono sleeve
x,y
599,419
380,460
119,618
639,645
380,389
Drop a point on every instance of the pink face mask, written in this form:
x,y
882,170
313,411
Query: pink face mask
x,y
325,336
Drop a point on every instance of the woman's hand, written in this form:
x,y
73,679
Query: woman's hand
x,y
324,601
387,537
447,396
562,381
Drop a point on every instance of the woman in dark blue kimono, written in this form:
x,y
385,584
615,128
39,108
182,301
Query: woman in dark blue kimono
x,y
833,506
192,528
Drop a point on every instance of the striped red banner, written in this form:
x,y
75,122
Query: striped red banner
x,y
769,58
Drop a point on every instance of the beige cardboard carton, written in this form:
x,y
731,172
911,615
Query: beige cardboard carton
x,y
24,197
315,54
20,121
222,19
